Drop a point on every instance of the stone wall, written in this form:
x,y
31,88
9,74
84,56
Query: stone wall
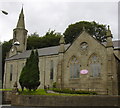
x,y
6,97
31,100
44,67
86,81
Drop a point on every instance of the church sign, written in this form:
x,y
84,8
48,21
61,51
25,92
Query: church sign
x,y
84,71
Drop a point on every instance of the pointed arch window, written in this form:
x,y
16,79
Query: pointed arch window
x,y
51,69
74,68
11,72
95,65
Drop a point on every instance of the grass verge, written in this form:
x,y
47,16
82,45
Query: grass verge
x,y
5,89
42,92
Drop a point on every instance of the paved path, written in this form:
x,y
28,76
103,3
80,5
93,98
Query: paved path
x,y
50,91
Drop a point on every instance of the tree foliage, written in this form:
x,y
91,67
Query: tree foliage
x,y
96,30
6,45
29,77
49,39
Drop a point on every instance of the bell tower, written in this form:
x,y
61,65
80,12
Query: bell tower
x,y
20,34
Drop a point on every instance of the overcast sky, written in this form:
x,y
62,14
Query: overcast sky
x,y
56,15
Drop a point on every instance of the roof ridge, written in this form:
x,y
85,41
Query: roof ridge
x,y
47,47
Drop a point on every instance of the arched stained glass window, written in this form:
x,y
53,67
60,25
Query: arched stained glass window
x,y
74,68
95,65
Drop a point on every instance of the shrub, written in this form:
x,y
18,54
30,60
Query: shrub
x,y
54,85
68,91
29,77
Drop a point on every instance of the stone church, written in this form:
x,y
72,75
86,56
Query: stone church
x,y
86,64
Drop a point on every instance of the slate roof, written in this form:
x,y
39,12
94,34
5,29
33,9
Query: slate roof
x,y
117,54
42,52
50,51
116,44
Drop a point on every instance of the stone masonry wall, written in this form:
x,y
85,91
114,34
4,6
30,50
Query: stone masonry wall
x,y
31,100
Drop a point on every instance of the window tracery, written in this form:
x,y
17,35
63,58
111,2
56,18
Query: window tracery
x,y
95,65
74,68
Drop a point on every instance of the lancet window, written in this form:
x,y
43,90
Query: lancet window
x,y
95,65
11,72
51,69
74,68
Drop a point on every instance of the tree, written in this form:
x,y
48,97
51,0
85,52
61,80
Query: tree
x,y
36,82
33,41
6,45
96,30
29,77
49,39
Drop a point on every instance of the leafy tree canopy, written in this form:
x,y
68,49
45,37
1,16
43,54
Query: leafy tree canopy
x,y
96,30
49,39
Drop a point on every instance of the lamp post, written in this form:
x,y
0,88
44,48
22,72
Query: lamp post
x,y
4,12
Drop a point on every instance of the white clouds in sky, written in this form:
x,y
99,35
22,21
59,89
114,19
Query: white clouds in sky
x,y
56,15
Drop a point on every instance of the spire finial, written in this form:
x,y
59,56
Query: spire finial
x,y
62,41
83,28
62,47
21,23
108,27
22,6
109,38
109,32
22,9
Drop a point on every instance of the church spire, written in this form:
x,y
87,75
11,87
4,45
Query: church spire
x,y
20,33
21,23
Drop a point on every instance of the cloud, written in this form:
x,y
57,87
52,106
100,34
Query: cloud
x,y
42,15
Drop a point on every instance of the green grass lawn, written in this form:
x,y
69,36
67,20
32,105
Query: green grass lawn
x,y
5,89
42,92
37,92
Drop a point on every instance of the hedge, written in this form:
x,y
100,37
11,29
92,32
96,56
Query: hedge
x,y
68,91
